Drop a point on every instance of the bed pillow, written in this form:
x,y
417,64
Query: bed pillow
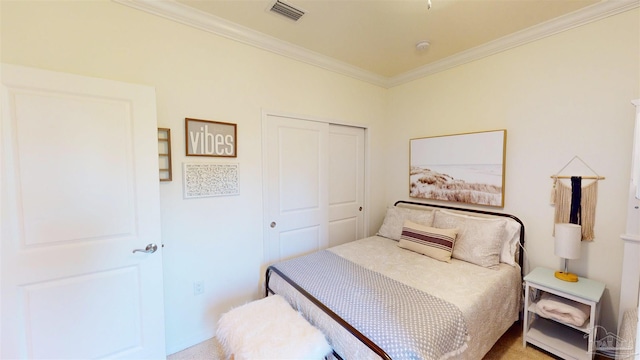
x,y
394,220
479,240
433,242
510,242
510,239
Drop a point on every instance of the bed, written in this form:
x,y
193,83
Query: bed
x,y
385,297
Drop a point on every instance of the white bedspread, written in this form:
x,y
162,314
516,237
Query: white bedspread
x,y
489,299
407,323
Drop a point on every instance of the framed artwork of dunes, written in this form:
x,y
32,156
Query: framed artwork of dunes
x,y
466,168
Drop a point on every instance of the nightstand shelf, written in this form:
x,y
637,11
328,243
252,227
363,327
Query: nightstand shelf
x,y
562,339
556,338
584,328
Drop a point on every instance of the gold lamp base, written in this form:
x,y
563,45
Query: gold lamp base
x,y
566,276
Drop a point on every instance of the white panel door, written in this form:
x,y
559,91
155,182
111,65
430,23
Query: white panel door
x,y
346,184
314,185
79,194
296,193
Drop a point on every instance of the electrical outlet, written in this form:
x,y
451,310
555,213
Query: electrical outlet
x,y
198,287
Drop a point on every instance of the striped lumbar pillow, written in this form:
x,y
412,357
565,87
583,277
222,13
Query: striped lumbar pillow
x,y
430,241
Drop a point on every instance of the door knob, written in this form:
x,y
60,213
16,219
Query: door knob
x,y
273,224
150,249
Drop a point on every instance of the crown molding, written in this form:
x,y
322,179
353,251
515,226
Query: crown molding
x,y
578,18
204,21
178,12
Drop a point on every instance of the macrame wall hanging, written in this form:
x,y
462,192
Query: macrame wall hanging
x,y
575,203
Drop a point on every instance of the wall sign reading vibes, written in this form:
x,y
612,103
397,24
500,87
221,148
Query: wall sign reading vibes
x,y
210,138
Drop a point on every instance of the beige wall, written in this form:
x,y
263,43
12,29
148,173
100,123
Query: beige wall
x,y
561,96
564,95
199,75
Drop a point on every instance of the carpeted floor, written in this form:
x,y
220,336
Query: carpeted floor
x,y
209,350
509,347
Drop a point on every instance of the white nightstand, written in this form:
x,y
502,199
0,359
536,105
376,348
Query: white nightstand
x,y
561,339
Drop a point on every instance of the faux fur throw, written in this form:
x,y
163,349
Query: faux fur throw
x,y
270,328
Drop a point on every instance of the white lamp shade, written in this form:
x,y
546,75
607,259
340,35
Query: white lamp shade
x,y
568,238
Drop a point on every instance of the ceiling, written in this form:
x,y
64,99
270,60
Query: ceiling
x,y
376,39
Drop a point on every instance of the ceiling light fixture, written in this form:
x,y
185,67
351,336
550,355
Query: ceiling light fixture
x,y
422,45
428,4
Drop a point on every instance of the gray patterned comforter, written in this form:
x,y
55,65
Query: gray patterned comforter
x,y
405,322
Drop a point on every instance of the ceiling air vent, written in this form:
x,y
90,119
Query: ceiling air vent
x,y
287,10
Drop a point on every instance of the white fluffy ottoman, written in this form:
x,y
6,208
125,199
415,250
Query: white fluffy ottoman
x,y
270,328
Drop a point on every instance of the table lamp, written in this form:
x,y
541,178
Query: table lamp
x,y
567,246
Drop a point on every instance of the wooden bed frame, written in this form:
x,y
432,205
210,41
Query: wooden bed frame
x,y
370,344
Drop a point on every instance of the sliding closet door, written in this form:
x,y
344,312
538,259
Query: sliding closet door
x,y
296,196
314,185
346,184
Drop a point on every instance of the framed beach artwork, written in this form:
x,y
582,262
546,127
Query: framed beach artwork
x,y
466,168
